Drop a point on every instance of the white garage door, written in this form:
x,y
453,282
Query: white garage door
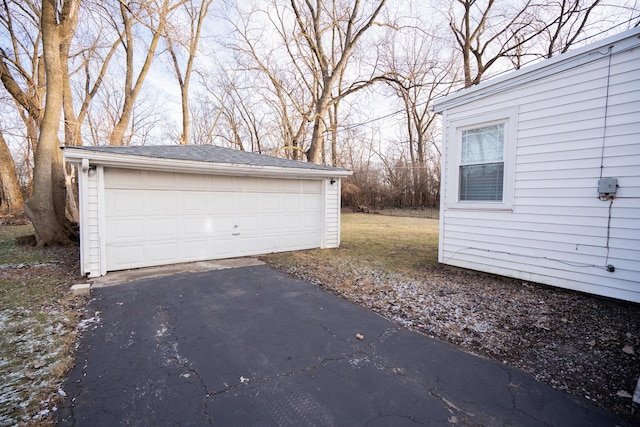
x,y
156,218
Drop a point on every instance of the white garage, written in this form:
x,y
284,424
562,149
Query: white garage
x,y
158,205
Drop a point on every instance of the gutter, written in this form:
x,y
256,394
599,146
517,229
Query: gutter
x,y
126,161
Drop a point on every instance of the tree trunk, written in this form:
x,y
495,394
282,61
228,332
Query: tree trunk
x,y
132,90
11,200
314,153
186,119
46,207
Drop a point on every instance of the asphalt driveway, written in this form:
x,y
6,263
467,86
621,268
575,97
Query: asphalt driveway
x,y
250,346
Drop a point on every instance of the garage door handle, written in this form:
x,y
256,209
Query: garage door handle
x,y
235,234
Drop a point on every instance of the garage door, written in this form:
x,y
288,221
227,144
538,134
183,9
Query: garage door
x,y
157,218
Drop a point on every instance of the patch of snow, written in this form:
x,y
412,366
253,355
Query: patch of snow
x,y
94,320
162,331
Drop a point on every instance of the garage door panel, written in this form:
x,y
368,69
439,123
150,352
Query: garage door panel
x,y
187,218
311,220
222,203
290,202
194,202
248,224
309,239
311,202
270,223
125,256
291,241
247,245
162,202
125,202
165,252
269,243
126,229
197,226
270,202
195,249
161,228
249,202
291,221
222,247
223,224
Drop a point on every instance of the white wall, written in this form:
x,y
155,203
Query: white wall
x,y
332,213
555,231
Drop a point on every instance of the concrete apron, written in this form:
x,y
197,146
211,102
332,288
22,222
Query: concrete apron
x,y
126,276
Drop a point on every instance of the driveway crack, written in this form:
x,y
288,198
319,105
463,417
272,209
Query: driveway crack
x,y
167,343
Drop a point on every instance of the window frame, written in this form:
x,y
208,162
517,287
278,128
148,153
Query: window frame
x,y
456,127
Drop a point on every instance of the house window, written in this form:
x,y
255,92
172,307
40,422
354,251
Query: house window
x,y
482,164
480,158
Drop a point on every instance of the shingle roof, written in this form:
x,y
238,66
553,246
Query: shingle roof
x,y
207,153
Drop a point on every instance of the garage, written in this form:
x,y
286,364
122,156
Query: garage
x,y
159,205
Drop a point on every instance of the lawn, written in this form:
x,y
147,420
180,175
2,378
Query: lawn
x,y
396,244
38,324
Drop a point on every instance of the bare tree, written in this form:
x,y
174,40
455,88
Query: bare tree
x,y
271,73
152,15
418,70
22,68
46,206
486,31
26,82
316,23
195,13
91,66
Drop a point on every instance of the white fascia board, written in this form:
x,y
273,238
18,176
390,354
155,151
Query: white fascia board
x,y
534,72
125,161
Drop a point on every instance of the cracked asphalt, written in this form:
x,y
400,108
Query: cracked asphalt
x,y
252,347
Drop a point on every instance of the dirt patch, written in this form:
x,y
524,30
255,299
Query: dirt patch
x,y
585,345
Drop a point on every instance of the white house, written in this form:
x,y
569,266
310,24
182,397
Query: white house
x,y
156,205
541,172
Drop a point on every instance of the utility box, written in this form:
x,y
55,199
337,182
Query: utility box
x,y
607,187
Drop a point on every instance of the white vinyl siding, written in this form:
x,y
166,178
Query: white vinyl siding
x,y
556,231
332,215
94,239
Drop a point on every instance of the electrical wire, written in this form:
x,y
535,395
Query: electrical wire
x,y
606,261
570,263
401,111
606,112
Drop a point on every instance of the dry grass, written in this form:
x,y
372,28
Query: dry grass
x,y
38,324
370,242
